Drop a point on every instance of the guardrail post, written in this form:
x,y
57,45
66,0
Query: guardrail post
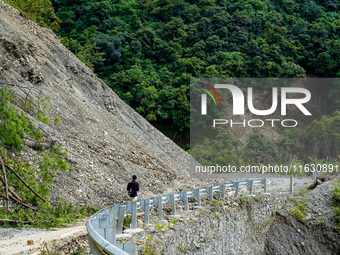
x,y
160,208
237,184
103,225
251,188
173,204
128,207
223,190
121,215
111,230
291,183
210,191
146,211
198,196
134,215
185,199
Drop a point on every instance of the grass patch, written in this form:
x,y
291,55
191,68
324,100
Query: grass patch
x,y
299,209
127,221
148,248
303,191
173,221
218,204
336,199
243,201
217,215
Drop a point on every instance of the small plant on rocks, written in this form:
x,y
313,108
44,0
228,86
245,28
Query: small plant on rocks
x,y
127,221
148,248
336,199
299,209
159,226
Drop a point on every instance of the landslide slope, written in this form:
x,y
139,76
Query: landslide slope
x,y
107,140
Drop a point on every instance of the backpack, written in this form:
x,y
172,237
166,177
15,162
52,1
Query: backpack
x,y
130,192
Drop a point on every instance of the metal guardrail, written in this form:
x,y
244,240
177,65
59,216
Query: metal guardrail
x,y
103,226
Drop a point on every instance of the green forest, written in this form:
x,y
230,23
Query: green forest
x,y
147,51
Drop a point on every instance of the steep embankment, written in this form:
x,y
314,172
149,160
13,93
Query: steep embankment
x,y
281,222
106,139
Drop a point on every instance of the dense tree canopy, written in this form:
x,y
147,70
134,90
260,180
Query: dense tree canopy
x,y
153,48
40,11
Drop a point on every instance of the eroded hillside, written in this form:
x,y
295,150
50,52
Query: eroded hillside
x,y
107,141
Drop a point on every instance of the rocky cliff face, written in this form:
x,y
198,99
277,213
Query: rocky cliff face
x,y
107,141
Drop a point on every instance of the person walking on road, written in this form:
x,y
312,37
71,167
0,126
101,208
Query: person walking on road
x,y
132,188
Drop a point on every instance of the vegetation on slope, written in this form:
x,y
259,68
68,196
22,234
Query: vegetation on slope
x,y
40,11
25,186
336,199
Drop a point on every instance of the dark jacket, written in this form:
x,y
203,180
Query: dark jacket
x,y
134,186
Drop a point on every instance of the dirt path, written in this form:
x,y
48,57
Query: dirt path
x,y
14,241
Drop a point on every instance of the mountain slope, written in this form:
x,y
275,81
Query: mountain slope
x,y
107,140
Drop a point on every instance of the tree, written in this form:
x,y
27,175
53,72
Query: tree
x,y
85,47
40,11
25,185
